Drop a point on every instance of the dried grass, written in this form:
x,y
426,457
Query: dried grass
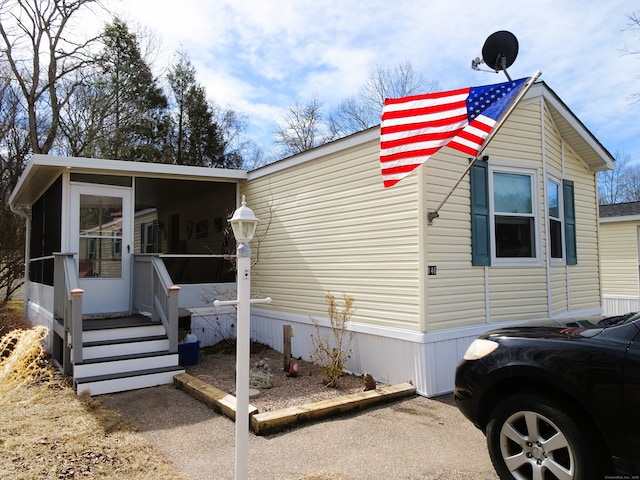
x,y
22,364
64,436
324,476
47,431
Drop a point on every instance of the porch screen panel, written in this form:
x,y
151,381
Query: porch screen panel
x,y
100,236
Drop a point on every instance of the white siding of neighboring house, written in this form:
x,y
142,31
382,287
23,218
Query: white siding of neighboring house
x,y
619,260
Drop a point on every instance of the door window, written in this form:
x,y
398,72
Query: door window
x,y
100,236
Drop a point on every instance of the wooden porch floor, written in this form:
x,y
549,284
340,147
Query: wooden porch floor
x,y
135,320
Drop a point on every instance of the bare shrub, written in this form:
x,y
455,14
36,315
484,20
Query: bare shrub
x,y
331,355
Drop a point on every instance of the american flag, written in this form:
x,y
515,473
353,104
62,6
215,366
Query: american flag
x,y
414,128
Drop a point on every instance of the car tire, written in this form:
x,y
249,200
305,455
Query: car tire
x,y
531,436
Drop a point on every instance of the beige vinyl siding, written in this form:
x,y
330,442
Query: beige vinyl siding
x,y
520,292
619,258
514,292
559,298
584,278
554,168
456,295
137,227
335,229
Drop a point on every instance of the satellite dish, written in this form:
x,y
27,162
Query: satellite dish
x,y
500,50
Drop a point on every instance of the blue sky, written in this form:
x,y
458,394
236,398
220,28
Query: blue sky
x,y
260,56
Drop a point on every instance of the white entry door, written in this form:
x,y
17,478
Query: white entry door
x,y
101,236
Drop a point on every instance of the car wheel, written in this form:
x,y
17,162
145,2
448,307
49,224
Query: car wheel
x,y
530,437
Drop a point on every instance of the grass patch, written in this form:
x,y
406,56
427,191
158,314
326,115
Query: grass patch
x,y
61,435
47,431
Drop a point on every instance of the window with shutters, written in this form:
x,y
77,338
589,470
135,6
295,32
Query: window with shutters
x,y
514,216
506,221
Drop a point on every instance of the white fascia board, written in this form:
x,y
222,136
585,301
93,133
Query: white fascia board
x,y
42,170
122,167
624,218
336,146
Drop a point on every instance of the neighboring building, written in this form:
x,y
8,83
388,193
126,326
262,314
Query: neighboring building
x,y
516,241
619,244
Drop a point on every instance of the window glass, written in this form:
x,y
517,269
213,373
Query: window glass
x,y
555,221
100,236
514,237
555,238
512,193
553,190
514,221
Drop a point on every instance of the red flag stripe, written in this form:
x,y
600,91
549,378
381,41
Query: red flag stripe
x,y
431,110
428,137
407,127
414,128
409,154
401,168
426,96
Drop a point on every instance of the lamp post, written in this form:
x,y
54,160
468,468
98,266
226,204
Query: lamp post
x,y
244,223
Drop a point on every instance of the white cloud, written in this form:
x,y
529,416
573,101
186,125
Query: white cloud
x,y
257,56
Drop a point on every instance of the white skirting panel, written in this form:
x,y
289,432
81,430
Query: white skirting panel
x,y
619,304
211,325
38,315
390,355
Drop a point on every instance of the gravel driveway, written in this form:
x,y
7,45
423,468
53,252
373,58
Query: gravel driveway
x,y
416,438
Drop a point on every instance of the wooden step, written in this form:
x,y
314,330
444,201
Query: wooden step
x,y
122,333
131,346
120,382
125,363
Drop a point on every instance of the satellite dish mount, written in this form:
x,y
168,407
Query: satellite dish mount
x,y
499,52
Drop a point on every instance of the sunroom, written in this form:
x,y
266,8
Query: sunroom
x,y
116,251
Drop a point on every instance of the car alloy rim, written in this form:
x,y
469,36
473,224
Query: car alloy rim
x,y
533,447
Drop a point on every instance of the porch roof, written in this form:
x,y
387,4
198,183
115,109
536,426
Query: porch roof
x,y
42,171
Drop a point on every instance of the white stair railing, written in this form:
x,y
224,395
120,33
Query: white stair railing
x,y
67,305
155,292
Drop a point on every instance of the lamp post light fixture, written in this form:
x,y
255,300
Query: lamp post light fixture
x,y
244,223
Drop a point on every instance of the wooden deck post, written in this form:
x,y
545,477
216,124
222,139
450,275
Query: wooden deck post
x,y
287,333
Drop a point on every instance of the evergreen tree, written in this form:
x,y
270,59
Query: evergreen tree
x,y
197,138
136,124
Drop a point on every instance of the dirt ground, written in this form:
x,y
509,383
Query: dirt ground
x,y
216,366
411,439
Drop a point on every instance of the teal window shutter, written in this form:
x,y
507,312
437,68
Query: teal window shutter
x,y
569,222
480,231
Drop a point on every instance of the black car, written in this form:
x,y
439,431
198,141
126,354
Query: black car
x,y
557,401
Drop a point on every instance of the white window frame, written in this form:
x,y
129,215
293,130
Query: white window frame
x,y
147,237
563,248
536,260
